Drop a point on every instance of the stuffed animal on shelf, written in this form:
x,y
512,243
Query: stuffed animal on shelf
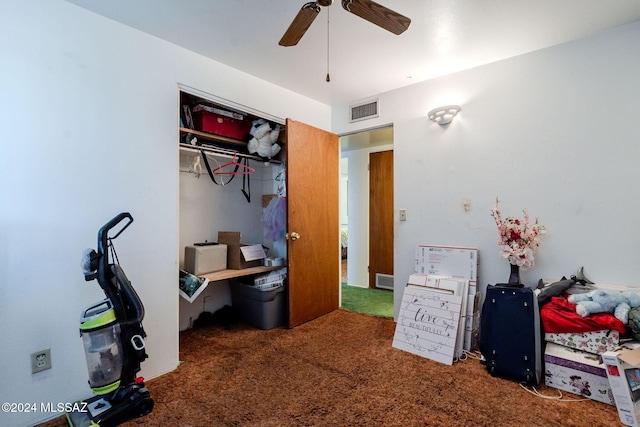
x,y
263,139
606,301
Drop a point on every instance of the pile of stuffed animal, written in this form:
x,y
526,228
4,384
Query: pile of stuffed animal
x,y
606,301
588,299
263,139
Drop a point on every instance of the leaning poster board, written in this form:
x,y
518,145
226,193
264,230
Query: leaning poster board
x,y
454,261
428,323
456,286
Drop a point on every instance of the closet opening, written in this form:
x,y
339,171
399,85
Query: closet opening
x,y
254,199
225,188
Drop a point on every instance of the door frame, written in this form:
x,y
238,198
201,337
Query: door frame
x,y
378,138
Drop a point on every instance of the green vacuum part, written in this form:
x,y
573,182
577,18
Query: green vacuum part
x,y
97,320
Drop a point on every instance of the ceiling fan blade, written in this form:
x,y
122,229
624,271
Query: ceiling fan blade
x,y
300,24
378,15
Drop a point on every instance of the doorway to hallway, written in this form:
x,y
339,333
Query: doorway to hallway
x,y
355,199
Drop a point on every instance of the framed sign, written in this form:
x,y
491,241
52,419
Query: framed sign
x,y
428,323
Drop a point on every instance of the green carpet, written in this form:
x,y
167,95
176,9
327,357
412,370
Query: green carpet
x,y
376,302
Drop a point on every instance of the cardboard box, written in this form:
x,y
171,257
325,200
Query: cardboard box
x,y
459,262
624,377
221,122
447,261
577,372
205,259
240,255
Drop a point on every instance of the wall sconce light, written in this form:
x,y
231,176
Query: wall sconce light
x,y
444,115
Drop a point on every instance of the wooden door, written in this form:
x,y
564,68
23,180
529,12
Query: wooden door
x,y
312,222
380,215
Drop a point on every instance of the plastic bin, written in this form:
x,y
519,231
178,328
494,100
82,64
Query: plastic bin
x,y
260,308
221,122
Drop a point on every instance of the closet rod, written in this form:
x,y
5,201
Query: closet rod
x,y
223,152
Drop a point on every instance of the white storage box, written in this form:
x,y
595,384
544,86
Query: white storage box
x,y
205,259
577,372
596,342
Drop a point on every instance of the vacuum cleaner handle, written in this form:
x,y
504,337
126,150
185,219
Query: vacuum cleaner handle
x,y
103,233
134,308
112,278
103,306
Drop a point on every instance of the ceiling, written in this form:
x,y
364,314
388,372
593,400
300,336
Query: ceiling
x,y
363,60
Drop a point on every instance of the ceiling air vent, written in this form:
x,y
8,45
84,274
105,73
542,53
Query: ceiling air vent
x,y
364,111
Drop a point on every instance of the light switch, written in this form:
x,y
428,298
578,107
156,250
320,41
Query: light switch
x,y
403,214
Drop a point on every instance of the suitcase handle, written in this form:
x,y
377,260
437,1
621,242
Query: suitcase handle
x,y
510,285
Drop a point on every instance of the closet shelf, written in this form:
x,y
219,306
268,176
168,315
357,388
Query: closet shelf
x,y
219,144
215,138
230,274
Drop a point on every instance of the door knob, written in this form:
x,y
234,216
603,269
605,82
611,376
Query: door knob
x,y
295,236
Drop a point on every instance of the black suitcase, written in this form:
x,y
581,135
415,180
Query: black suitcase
x,y
510,334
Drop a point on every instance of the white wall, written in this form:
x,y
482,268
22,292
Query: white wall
x,y
88,115
554,131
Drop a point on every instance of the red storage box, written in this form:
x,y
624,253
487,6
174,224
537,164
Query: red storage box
x,y
221,122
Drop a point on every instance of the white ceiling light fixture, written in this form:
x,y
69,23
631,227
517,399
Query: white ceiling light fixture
x,y
443,115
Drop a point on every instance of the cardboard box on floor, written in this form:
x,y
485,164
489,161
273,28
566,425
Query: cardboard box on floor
x,y
623,370
236,260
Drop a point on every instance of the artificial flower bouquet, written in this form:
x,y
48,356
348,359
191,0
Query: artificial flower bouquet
x,y
517,237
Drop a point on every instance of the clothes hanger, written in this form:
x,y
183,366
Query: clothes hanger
x,y
246,183
239,168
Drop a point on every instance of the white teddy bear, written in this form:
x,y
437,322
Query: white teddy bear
x,y
606,301
264,139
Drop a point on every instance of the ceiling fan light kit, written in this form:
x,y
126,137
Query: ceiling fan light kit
x,y
365,9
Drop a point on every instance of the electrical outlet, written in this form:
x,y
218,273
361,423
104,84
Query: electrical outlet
x,y
40,360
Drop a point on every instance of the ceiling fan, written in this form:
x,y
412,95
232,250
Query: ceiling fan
x,y
366,9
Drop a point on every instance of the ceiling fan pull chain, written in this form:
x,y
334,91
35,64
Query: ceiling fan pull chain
x,y
328,77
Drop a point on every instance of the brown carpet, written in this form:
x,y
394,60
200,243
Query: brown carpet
x,y
341,370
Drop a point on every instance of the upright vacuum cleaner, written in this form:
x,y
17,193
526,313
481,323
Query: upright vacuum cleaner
x,y
113,338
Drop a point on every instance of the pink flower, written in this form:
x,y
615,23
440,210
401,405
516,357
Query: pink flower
x,y
517,238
